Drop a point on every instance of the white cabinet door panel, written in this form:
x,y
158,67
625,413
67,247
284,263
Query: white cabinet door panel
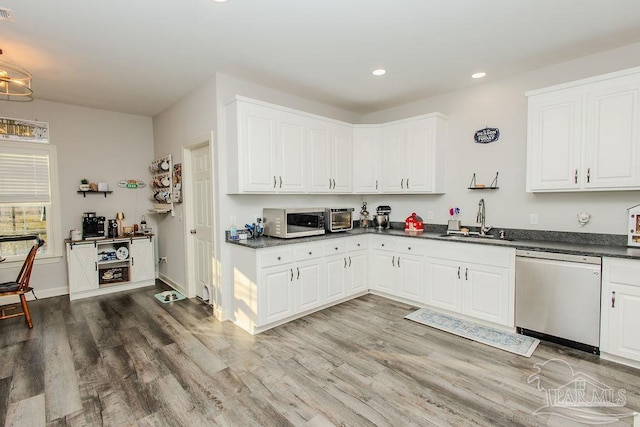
x,y
82,264
358,267
412,282
291,154
384,272
486,293
319,158
258,147
275,294
444,289
554,146
612,137
309,282
336,277
142,260
367,162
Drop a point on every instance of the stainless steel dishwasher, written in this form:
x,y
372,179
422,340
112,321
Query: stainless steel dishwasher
x,y
558,298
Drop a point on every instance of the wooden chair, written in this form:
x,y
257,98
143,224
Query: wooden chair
x,y
19,287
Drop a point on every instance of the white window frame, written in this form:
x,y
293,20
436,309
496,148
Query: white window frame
x,y
54,235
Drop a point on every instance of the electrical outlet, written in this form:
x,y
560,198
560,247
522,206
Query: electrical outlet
x,y
430,215
533,218
258,217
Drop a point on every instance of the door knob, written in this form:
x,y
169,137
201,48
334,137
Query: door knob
x,y
192,231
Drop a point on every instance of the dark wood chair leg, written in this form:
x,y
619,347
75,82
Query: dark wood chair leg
x,y
25,309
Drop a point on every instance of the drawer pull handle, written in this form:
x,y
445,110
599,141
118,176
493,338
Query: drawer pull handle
x,y
279,258
309,253
409,248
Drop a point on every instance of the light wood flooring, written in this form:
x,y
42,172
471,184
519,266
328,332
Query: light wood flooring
x,y
126,359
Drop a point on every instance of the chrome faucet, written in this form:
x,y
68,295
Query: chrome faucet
x,y
480,219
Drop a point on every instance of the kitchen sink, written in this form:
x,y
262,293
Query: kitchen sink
x,y
476,237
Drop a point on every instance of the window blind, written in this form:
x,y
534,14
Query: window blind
x,y
24,178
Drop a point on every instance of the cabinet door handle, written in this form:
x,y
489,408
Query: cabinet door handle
x,y
345,263
193,231
349,262
133,262
588,175
466,274
96,265
407,183
329,183
334,184
280,181
298,268
274,181
458,272
613,299
398,262
575,177
291,280
393,261
402,183
376,184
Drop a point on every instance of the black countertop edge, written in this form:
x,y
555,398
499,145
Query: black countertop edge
x,y
573,248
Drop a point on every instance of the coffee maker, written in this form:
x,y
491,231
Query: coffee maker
x,y
92,225
112,228
381,219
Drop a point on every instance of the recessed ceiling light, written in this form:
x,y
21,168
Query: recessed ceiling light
x,y
379,72
478,75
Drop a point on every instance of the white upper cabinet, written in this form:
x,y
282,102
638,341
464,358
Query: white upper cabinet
x,y
367,176
414,155
272,149
585,135
331,157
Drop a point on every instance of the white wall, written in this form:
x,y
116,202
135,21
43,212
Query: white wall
x,y
101,146
502,104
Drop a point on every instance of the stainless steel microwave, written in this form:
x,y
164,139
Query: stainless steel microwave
x,y
287,223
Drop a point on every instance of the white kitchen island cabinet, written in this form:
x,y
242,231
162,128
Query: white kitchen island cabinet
x,y
105,266
585,135
477,281
620,312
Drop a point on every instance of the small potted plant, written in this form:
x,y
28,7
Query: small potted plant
x,y
84,185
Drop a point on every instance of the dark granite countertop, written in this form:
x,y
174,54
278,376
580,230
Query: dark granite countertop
x,y
571,243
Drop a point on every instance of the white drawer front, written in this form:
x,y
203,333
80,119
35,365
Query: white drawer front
x,y
412,247
307,252
335,246
276,257
357,243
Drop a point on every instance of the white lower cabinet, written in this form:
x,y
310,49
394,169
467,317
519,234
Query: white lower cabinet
x,y
474,280
620,314
273,285
109,265
398,268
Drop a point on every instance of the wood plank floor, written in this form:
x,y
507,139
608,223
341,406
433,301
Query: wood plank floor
x,y
126,359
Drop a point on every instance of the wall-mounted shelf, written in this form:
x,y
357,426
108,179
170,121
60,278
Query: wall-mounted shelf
x,y
84,193
474,186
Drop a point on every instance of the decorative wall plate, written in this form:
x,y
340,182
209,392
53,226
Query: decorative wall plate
x,y
487,135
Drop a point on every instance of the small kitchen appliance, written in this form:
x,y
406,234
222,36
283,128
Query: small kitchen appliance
x,y
92,225
414,223
381,220
112,228
287,223
338,219
364,216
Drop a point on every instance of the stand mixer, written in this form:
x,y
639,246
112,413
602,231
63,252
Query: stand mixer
x,y
381,219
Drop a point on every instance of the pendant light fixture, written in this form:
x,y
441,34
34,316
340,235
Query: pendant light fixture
x,y
15,82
